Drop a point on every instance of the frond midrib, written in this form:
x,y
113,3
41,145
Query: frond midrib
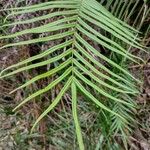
x,y
74,37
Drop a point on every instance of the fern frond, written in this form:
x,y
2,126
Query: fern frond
x,y
78,22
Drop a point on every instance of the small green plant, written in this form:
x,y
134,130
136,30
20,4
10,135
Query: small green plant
x,y
79,24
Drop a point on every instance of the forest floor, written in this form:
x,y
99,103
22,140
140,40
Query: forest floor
x,y
14,127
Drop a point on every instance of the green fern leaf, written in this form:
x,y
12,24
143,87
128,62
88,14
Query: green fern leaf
x,y
81,21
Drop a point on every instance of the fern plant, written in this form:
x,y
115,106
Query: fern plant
x,y
78,24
